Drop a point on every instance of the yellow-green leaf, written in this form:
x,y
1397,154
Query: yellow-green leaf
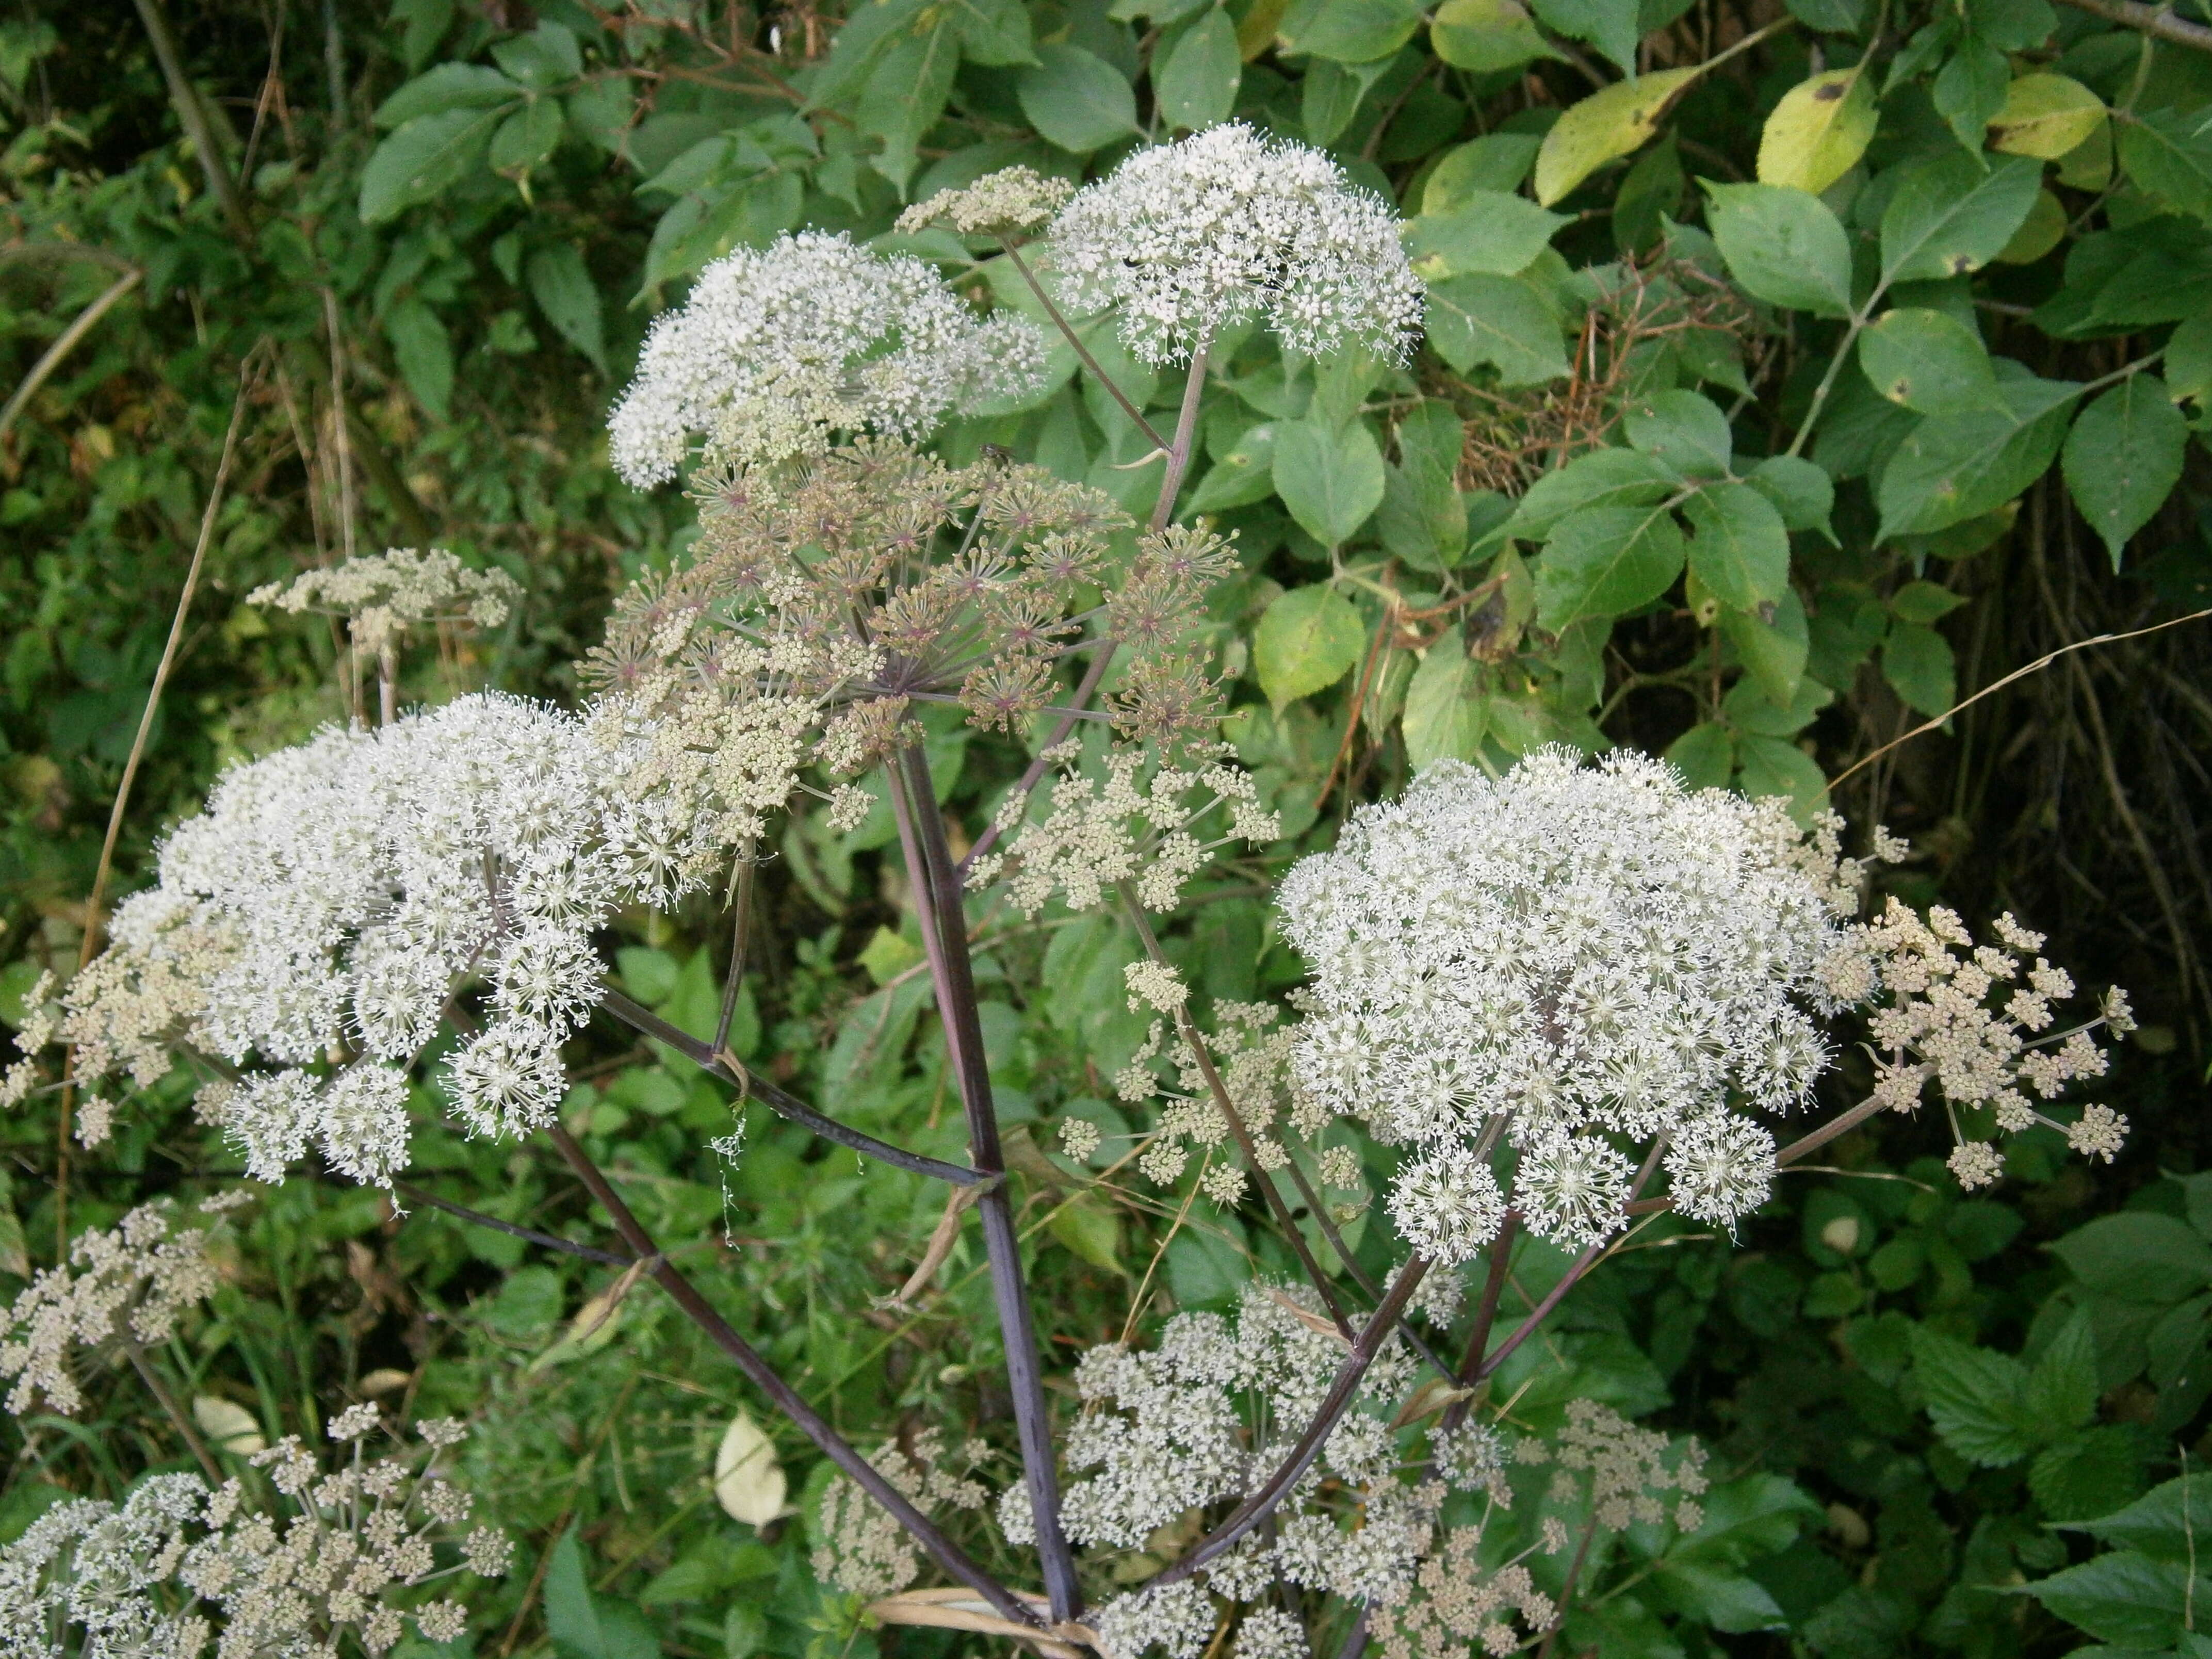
x,y
1605,126
1819,130
1091,1230
228,1425
2042,230
1486,35
2045,116
748,1483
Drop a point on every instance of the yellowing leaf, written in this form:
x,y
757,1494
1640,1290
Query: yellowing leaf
x,y
1606,126
2045,116
384,1379
749,1482
228,1425
1818,131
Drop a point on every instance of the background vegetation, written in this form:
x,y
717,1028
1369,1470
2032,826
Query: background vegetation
x,y
416,250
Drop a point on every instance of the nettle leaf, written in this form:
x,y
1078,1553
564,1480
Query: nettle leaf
x,y
1445,714
1783,245
2045,116
1948,216
1975,1398
424,159
1498,320
1930,362
2166,1524
1616,121
1330,480
1307,640
1196,87
1819,130
2124,457
1485,230
2138,1255
1739,547
1951,468
2169,155
1486,35
2123,1597
1683,431
1604,561
2061,1389
1076,99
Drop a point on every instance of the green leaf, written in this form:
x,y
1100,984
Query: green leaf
x,y
906,94
1603,477
1611,26
1739,548
2045,116
1924,602
1801,491
1350,31
1777,767
1683,431
1929,361
1975,1397
448,87
2188,362
1772,649
1498,161
1486,35
2122,1597
1486,231
2091,1473
1242,473
425,356
1918,664
425,158
2169,1522
1955,467
1704,755
1197,86
1330,480
2168,154
1603,560
1750,710
546,56
2124,457
2138,1255
1332,92
1723,1597
1309,638
1819,130
1445,714
995,33
2061,1389
1785,246
1091,1230
1970,89
1615,121
1498,320
1948,216
569,298
1077,99
587,1626
523,141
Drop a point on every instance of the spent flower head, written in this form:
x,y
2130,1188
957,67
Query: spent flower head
x,y
1192,237
778,347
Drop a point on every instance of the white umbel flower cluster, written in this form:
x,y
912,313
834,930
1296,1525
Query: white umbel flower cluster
x,y
1566,955
1192,237
382,595
314,922
777,347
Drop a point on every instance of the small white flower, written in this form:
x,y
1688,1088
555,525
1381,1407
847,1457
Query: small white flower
x,y
1720,1167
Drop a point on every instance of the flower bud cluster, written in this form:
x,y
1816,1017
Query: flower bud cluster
x,y
382,595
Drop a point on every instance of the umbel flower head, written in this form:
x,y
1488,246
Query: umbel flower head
x,y
382,595
1567,954
1191,237
312,923
778,347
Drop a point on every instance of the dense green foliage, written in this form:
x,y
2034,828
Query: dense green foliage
x,y
1693,459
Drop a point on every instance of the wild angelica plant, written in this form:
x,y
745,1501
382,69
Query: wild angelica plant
x,y
1546,990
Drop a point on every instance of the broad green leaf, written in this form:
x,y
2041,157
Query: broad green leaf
x,y
1684,431
1955,467
424,352
1498,320
2061,1389
1076,99
1330,480
1750,710
1309,639
1918,664
1197,86
1090,1231
866,35
2124,457
1486,231
2042,230
2093,1471
1819,130
447,88
1242,473
2123,1597
1924,602
2138,1255
1331,94
2169,155
1930,362
521,143
1611,26
1778,767
994,31
1772,649
428,156
1429,437
1603,560
1785,246
1704,755
1975,1397
583,1625
1948,216
906,95
545,58
1649,195
2188,363
1486,35
1445,713
1603,477
1615,121
1422,520
1724,1597
1350,31
1801,491
2167,1523
1739,548
1969,90
569,298
2045,116
1497,162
